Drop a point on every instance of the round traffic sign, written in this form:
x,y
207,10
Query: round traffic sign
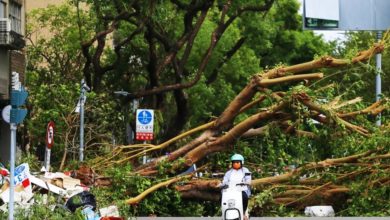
x,y
6,113
50,134
144,117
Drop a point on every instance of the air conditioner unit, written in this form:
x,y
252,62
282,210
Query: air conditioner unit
x,y
5,25
10,39
5,29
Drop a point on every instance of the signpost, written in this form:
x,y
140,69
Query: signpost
x,y
49,143
17,115
350,15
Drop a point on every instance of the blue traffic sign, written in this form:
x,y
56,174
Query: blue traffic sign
x,y
144,117
17,115
18,98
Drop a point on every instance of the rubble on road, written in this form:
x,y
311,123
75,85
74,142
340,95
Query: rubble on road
x,y
72,187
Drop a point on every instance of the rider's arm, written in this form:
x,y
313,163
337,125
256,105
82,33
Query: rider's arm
x,y
226,178
247,176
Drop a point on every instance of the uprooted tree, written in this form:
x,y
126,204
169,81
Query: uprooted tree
x,y
285,110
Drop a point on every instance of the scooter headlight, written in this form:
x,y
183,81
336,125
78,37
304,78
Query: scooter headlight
x,y
231,203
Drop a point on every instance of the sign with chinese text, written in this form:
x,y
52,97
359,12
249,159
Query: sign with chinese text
x,y
144,124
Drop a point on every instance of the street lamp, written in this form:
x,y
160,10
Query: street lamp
x,y
84,88
121,93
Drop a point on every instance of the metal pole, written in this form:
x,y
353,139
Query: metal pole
x,y
12,172
82,97
47,159
128,128
144,157
378,83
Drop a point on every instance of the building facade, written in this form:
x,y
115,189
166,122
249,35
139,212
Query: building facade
x,y
12,59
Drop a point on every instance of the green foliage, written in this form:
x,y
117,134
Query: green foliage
x,y
363,81
279,38
45,207
50,103
163,202
53,80
367,202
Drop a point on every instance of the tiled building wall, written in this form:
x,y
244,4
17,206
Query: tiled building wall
x,y
18,64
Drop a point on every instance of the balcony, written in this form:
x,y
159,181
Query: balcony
x,y
11,40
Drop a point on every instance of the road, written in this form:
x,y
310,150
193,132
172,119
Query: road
x,y
263,218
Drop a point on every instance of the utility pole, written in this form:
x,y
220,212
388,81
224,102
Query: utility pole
x,y
378,82
12,172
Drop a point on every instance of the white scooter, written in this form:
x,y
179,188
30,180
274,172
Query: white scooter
x,y
232,202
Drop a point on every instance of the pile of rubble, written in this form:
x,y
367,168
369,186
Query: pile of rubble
x,y
73,187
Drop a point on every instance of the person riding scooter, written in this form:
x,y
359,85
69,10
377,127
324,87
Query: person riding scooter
x,y
239,175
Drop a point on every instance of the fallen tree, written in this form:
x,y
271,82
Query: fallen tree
x,y
211,139
305,185
308,184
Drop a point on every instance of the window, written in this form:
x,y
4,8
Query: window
x,y
15,15
2,9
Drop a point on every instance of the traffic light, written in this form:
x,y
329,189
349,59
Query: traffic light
x,y
18,98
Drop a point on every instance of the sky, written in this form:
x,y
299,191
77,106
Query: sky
x,y
331,35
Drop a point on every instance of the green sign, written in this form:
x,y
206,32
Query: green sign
x,y
320,23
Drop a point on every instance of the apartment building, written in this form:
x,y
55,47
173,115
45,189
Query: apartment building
x,y
12,58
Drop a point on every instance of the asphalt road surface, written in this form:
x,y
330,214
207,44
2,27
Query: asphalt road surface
x,y
263,218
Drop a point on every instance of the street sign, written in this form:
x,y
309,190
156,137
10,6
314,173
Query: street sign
x,y
49,143
50,134
6,113
144,124
18,115
347,15
18,98
319,14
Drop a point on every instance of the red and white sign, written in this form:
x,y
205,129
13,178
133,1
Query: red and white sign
x,y
50,134
144,124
